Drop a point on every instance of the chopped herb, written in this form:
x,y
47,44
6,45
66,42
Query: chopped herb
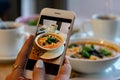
x,y
85,54
88,50
105,52
51,40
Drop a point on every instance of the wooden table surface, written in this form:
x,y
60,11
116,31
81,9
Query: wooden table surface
x,y
5,69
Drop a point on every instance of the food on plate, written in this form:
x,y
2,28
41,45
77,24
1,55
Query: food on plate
x,y
32,22
29,20
50,41
89,50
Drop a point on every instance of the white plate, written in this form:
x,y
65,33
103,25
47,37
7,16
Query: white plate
x,y
112,73
53,53
7,59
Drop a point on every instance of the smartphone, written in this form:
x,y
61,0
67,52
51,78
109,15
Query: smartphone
x,y
51,39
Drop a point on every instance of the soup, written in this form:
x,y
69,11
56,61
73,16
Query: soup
x,y
89,50
50,41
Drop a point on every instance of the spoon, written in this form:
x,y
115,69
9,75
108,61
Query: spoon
x,y
2,24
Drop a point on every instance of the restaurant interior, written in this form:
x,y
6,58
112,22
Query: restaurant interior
x,y
96,26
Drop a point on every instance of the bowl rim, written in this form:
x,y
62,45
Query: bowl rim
x,y
11,24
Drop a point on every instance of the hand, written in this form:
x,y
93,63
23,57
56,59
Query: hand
x,y
21,59
65,71
39,69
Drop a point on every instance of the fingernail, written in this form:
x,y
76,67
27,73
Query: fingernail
x,y
21,78
39,64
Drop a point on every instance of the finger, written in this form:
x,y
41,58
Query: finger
x,y
39,71
65,71
22,58
9,77
23,54
66,68
66,61
23,78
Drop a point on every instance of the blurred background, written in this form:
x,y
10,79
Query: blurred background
x,y
11,9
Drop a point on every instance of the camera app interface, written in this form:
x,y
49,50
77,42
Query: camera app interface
x,y
49,43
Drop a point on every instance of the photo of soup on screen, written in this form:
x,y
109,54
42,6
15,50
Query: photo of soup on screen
x,y
50,40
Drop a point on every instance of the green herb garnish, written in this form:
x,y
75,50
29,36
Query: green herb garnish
x,y
51,40
105,52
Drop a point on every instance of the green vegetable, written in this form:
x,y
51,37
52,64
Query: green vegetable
x,y
85,54
92,46
87,48
51,40
32,22
105,52
71,46
42,29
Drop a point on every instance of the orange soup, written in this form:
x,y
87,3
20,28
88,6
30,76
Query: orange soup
x,y
50,41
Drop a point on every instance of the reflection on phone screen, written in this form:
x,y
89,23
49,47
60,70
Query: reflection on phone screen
x,y
50,43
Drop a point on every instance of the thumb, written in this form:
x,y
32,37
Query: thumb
x,y
39,71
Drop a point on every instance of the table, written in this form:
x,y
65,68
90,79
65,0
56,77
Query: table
x,y
5,69
113,73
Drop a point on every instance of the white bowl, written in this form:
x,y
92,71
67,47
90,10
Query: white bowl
x,y
94,66
52,46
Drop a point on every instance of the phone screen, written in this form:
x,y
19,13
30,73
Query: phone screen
x,y
50,43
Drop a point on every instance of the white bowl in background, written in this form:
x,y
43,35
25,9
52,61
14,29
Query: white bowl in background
x,y
94,66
